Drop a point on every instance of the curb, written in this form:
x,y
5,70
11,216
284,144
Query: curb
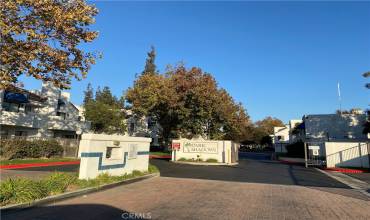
x,y
353,183
160,157
47,164
205,163
68,195
344,170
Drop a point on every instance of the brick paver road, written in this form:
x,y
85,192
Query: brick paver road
x,y
183,195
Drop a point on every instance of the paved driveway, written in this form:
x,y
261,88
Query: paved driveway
x,y
256,189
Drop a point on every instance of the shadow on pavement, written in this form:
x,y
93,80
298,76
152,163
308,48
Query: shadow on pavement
x,y
252,171
72,212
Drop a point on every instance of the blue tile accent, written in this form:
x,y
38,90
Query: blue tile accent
x,y
111,166
143,153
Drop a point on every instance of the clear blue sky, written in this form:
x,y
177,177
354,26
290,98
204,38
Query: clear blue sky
x,y
282,59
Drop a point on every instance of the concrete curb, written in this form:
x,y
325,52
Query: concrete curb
x,y
68,195
354,183
205,163
46,164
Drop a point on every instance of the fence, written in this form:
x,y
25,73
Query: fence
x,y
70,145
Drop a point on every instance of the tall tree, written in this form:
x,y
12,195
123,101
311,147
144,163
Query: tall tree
x,y
89,94
187,102
105,112
42,38
150,67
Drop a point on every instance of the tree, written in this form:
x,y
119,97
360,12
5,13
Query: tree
x,y
187,102
105,111
264,128
150,67
89,94
42,38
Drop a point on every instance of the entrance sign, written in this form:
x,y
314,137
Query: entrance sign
x,y
222,151
201,147
113,154
314,147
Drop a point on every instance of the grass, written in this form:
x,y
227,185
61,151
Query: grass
x,y
209,160
22,190
25,161
160,153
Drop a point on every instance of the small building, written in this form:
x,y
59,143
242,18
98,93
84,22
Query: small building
x,y
45,113
285,135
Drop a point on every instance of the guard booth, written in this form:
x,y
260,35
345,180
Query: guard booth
x,y
223,151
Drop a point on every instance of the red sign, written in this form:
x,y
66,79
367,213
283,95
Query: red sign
x,y
175,146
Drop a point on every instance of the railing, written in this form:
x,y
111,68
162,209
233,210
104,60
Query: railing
x,y
18,119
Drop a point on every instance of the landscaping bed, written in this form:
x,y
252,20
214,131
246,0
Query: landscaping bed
x,y
22,190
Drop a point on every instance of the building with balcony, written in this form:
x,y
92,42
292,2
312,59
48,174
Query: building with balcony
x,y
45,113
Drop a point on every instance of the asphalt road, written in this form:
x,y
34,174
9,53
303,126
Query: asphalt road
x,y
253,168
255,189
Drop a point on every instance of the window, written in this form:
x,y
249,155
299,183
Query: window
x,y
113,153
4,134
62,115
28,109
11,107
21,133
132,154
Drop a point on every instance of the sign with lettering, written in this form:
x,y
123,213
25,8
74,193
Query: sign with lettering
x,y
201,147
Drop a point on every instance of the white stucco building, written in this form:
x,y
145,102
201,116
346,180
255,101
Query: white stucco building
x,y
284,135
45,113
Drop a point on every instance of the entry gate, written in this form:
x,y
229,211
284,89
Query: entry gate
x,y
313,154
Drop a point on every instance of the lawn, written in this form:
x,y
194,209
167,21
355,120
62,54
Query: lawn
x,y
25,161
160,153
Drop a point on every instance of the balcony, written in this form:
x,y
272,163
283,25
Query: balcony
x,y
58,123
18,119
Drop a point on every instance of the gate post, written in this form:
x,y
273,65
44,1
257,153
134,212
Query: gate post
x,y
305,154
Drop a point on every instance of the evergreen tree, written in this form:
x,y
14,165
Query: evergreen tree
x,y
89,94
150,67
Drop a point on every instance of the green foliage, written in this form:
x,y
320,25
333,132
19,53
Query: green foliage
x,y
182,159
43,39
23,190
20,148
188,102
58,182
150,67
104,111
211,160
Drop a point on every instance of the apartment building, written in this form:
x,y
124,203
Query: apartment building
x,y
45,113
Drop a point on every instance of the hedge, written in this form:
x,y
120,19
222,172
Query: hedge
x,y
21,148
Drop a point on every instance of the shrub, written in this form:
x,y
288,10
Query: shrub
x,y
152,169
182,159
21,148
211,160
21,190
58,182
295,150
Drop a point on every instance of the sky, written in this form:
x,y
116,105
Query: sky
x,y
280,59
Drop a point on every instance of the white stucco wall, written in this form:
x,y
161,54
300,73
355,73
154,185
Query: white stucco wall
x,y
346,154
222,151
120,163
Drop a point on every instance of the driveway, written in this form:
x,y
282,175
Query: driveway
x,y
255,189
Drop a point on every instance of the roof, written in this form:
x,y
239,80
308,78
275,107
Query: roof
x,y
31,95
